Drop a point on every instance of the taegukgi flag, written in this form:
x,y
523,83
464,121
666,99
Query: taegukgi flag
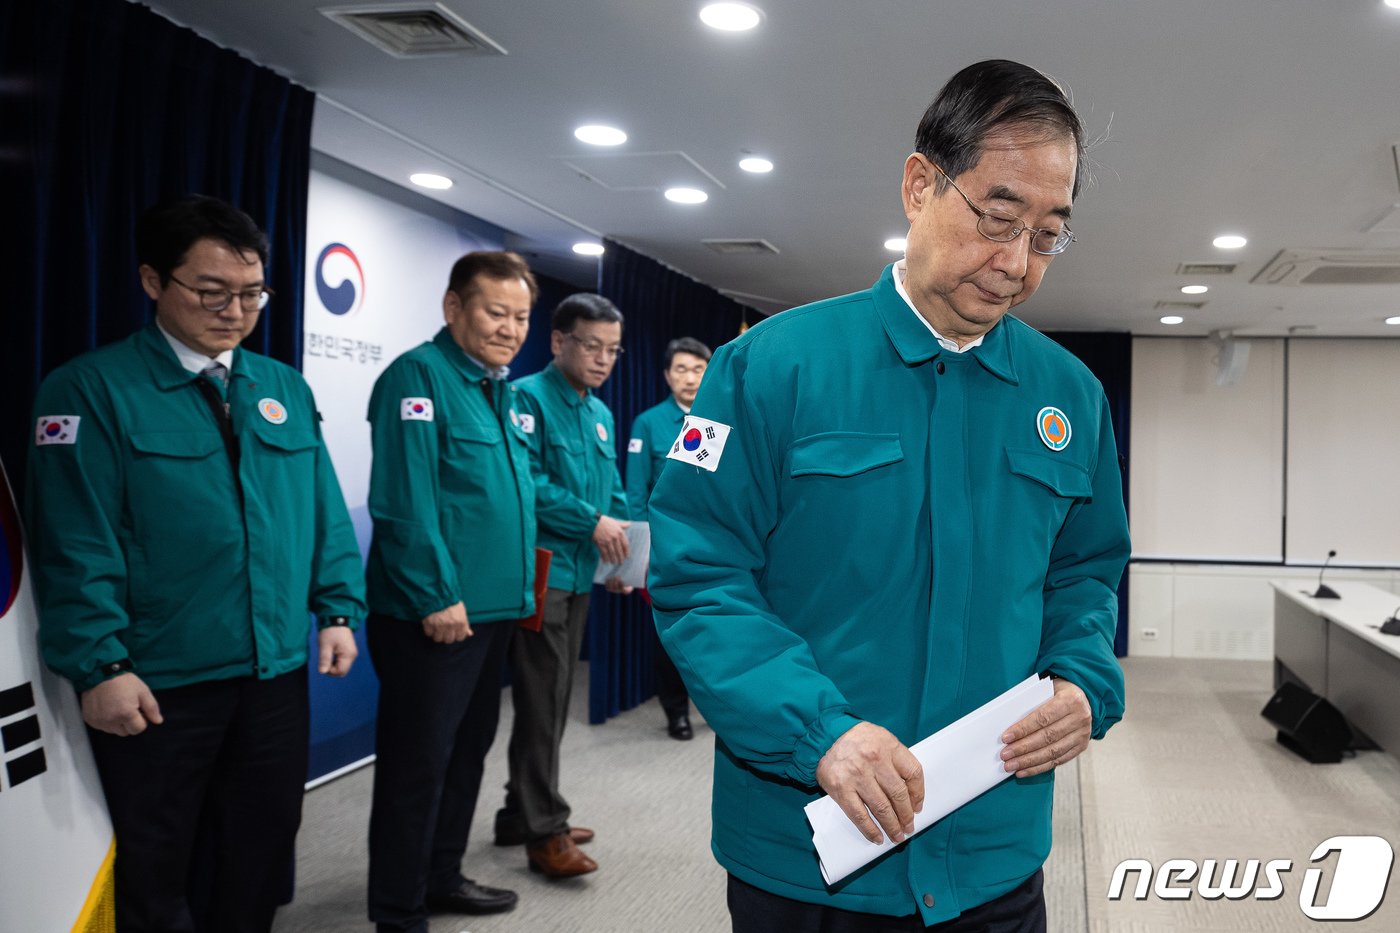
x,y
56,845
700,443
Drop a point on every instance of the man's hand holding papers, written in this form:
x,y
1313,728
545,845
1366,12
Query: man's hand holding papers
x,y
1052,735
869,771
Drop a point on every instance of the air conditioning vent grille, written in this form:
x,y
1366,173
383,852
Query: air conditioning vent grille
x,y
415,30
741,247
1206,268
1179,305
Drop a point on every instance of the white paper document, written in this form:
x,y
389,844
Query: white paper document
x,y
960,761
633,570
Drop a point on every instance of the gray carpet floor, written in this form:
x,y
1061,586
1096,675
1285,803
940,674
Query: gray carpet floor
x,y
1192,772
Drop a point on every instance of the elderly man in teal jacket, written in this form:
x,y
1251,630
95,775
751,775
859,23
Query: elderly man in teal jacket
x,y
887,509
451,569
185,523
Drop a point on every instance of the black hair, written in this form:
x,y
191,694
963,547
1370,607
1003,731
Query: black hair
x,y
988,96
165,232
685,345
491,265
584,306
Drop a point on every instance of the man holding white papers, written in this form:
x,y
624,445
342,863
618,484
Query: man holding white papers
x,y
910,503
582,515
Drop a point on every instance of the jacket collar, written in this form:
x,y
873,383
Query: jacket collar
x,y
165,366
916,344
555,379
457,357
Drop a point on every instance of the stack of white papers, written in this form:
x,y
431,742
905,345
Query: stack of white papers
x,y
960,762
633,570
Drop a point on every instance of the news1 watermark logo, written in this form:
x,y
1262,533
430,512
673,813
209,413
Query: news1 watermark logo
x,y
1359,879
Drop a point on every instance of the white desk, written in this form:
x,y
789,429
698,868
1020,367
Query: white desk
x,y
1334,648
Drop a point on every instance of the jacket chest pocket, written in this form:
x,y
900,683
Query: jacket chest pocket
x,y
471,436
282,440
842,454
1041,490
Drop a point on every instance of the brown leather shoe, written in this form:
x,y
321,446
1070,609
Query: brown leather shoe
x,y
580,835
559,857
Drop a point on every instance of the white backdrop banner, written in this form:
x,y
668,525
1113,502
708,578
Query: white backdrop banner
x,y
56,842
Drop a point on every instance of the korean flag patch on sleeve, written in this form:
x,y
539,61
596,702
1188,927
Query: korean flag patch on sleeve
x,y
634,445
700,443
416,409
56,429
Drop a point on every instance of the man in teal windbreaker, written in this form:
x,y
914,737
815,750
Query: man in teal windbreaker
x,y
185,522
888,509
582,515
653,433
451,569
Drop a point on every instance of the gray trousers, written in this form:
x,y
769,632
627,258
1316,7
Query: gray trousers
x,y
542,678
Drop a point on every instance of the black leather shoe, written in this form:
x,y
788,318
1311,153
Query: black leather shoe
x,y
678,727
472,898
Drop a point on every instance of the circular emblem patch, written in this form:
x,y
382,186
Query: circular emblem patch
x,y
1053,427
691,441
602,433
272,410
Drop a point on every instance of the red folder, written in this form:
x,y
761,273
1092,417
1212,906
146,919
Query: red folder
x,y
542,558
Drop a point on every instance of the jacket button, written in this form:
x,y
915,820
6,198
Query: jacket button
x,y
928,898
940,367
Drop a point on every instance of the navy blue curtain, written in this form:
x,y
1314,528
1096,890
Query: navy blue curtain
x,y
105,108
1110,358
659,305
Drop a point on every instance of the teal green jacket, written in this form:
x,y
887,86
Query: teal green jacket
x,y
450,491
653,433
573,455
145,548
885,538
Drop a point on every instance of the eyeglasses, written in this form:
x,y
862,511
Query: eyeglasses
x,y
1003,227
217,299
596,347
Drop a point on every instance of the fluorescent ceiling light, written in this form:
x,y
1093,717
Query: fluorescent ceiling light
x,y
730,17
429,180
589,249
1194,289
1393,4
1393,320
896,244
595,134
756,165
686,195
1232,240
1173,319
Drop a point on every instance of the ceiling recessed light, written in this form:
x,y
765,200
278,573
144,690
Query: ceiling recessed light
x,y
1173,319
589,249
595,134
686,195
429,180
896,244
1393,4
1393,320
1194,289
756,165
730,17
1229,241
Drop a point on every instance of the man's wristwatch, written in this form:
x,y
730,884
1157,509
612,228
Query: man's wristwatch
x,y
335,621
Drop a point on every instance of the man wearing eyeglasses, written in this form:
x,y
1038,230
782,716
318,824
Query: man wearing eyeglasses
x,y
582,515
185,525
888,509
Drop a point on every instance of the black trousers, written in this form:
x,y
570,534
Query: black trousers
x,y
542,678
670,689
438,709
1020,910
223,772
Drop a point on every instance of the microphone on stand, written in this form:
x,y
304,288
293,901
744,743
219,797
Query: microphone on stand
x,y
1323,590
1391,626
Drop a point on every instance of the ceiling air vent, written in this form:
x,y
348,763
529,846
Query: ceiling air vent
x,y
1331,267
741,247
1205,268
414,30
1179,305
